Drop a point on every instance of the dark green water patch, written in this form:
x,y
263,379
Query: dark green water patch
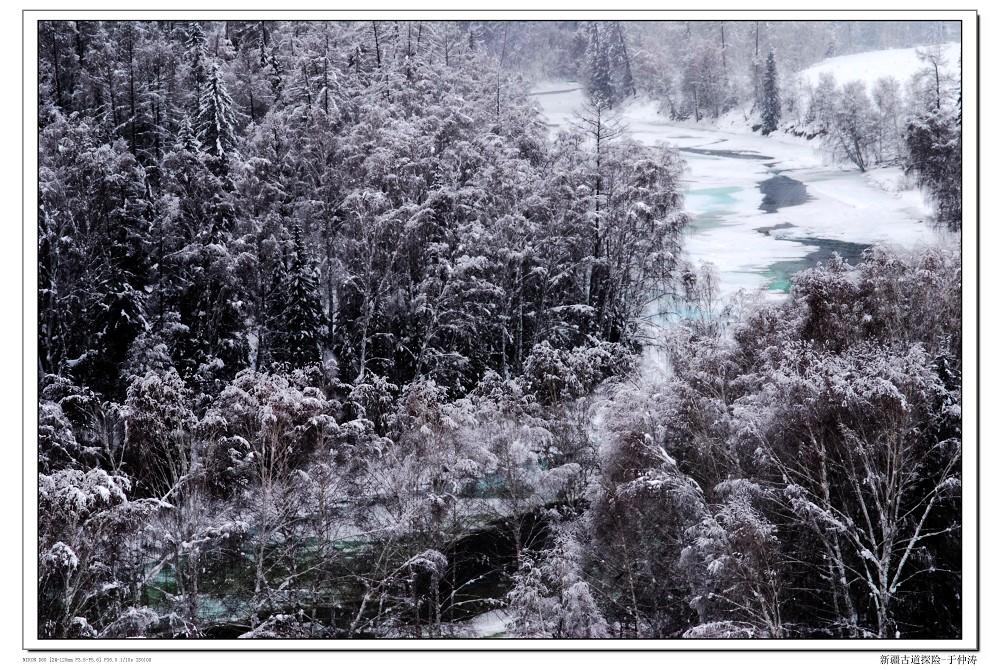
x,y
781,191
726,153
706,221
767,230
779,274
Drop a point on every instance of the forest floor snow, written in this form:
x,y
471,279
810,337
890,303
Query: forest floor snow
x,y
488,624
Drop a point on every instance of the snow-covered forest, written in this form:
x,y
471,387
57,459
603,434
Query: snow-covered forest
x,y
555,329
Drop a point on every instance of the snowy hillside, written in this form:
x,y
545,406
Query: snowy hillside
x,y
869,66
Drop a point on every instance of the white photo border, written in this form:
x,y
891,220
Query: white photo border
x,y
970,640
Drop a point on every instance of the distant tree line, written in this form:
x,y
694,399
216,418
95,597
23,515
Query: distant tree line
x,y
702,70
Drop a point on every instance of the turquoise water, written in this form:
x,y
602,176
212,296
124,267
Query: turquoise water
x,y
715,205
718,195
779,274
712,203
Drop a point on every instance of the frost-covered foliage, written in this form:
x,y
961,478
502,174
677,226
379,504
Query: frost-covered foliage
x,y
836,472
57,443
265,195
734,562
558,374
641,507
934,146
159,426
86,572
723,630
797,474
550,597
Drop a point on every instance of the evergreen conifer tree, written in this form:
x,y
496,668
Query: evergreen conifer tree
x,y
216,121
934,145
298,333
197,268
621,66
275,297
599,83
198,62
771,112
119,315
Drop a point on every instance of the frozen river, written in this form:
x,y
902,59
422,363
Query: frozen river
x,y
764,208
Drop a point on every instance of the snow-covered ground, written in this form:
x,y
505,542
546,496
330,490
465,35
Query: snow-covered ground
x,y
872,65
752,248
488,624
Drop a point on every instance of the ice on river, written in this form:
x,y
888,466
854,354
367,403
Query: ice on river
x,y
752,248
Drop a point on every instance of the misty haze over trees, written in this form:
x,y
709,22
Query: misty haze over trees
x,y
337,339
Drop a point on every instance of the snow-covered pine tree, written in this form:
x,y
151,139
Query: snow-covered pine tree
x,y
599,82
275,74
771,110
120,316
623,85
934,146
186,138
300,329
216,120
273,302
198,60
197,265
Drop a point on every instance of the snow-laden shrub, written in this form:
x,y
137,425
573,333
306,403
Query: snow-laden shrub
x,y
59,558
551,599
287,627
558,374
134,622
724,630
75,494
58,446
732,560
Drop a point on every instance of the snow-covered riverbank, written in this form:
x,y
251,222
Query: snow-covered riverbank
x,y
757,244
